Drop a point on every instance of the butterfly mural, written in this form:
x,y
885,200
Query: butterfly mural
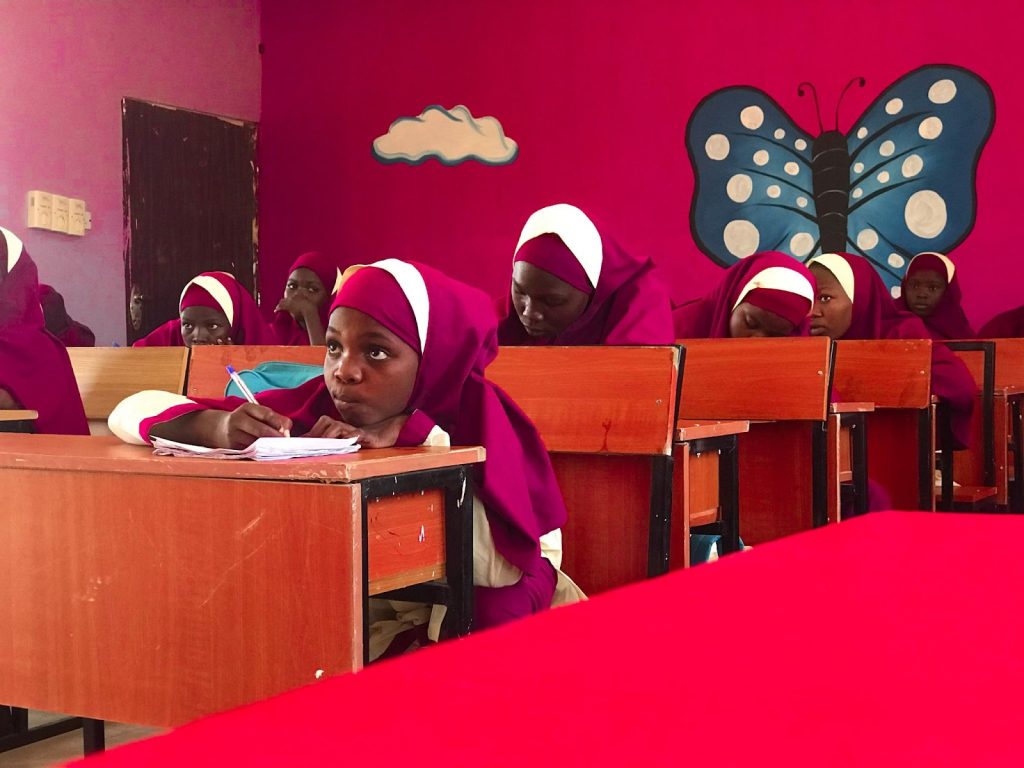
x,y
900,182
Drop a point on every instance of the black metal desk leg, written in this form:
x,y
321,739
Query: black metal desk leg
x,y
93,735
659,534
819,474
1017,489
859,460
458,506
729,493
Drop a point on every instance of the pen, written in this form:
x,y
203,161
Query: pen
x,y
247,393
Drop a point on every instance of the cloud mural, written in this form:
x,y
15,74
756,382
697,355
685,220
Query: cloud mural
x,y
452,136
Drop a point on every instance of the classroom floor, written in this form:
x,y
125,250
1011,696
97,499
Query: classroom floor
x,y
67,746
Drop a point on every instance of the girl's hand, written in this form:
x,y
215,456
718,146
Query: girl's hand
x,y
249,422
327,427
384,434
7,401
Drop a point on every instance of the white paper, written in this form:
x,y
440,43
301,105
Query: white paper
x,y
263,449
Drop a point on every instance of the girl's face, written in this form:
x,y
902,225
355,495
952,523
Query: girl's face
x,y
204,325
923,291
546,305
305,282
832,313
369,371
749,321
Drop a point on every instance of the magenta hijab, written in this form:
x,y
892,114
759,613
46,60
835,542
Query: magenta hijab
x,y
875,316
285,327
628,300
220,291
34,365
773,281
947,320
453,328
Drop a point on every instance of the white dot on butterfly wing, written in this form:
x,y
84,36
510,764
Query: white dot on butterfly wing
x,y
774,190
752,117
858,192
802,202
761,157
791,168
801,244
912,166
942,92
925,214
867,239
930,128
883,177
717,146
895,291
858,167
779,133
800,144
739,188
741,238
862,132
893,106
886,148
895,260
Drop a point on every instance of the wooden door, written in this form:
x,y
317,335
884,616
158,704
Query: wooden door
x,y
189,206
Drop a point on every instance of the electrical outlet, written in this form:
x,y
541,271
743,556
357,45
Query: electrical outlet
x,y
60,214
76,217
40,209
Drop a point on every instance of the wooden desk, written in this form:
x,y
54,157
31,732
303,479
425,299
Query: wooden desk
x,y
153,590
705,493
17,421
781,386
896,376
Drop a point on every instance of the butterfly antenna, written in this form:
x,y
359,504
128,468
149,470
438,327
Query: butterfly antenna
x,y
817,106
860,81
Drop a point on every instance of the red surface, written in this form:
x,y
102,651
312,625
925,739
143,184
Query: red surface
x,y
892,639
597,94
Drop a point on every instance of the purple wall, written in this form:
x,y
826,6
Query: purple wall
x,y
65,66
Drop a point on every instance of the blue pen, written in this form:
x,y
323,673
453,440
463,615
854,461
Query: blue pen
x,y
247,392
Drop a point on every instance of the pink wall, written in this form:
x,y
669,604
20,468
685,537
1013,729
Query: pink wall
x,y
597,94
65,67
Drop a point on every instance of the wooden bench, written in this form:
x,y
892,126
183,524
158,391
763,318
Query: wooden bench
x,y
896,377
782,387
606,415
107,375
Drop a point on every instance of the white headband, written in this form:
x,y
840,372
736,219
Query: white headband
x,y
839,267
411,282
575,229
215,288
778,279
14,248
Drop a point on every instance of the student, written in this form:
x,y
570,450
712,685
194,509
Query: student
x,y
853,303
767,294
35,372
571,285
931,290
69,332
215,309
406,352
1006,325
300,318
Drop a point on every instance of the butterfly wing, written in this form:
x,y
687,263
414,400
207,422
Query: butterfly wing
x,y
752,175
914,154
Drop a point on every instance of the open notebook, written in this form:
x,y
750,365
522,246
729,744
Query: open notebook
x,y
264,449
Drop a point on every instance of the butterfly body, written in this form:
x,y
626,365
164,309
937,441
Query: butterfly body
x,y
899,182
830,171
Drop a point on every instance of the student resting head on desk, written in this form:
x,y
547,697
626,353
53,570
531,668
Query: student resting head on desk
x,y
300,317
214,309
35,371
767,294
853,303
406,351
931,290
571,285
